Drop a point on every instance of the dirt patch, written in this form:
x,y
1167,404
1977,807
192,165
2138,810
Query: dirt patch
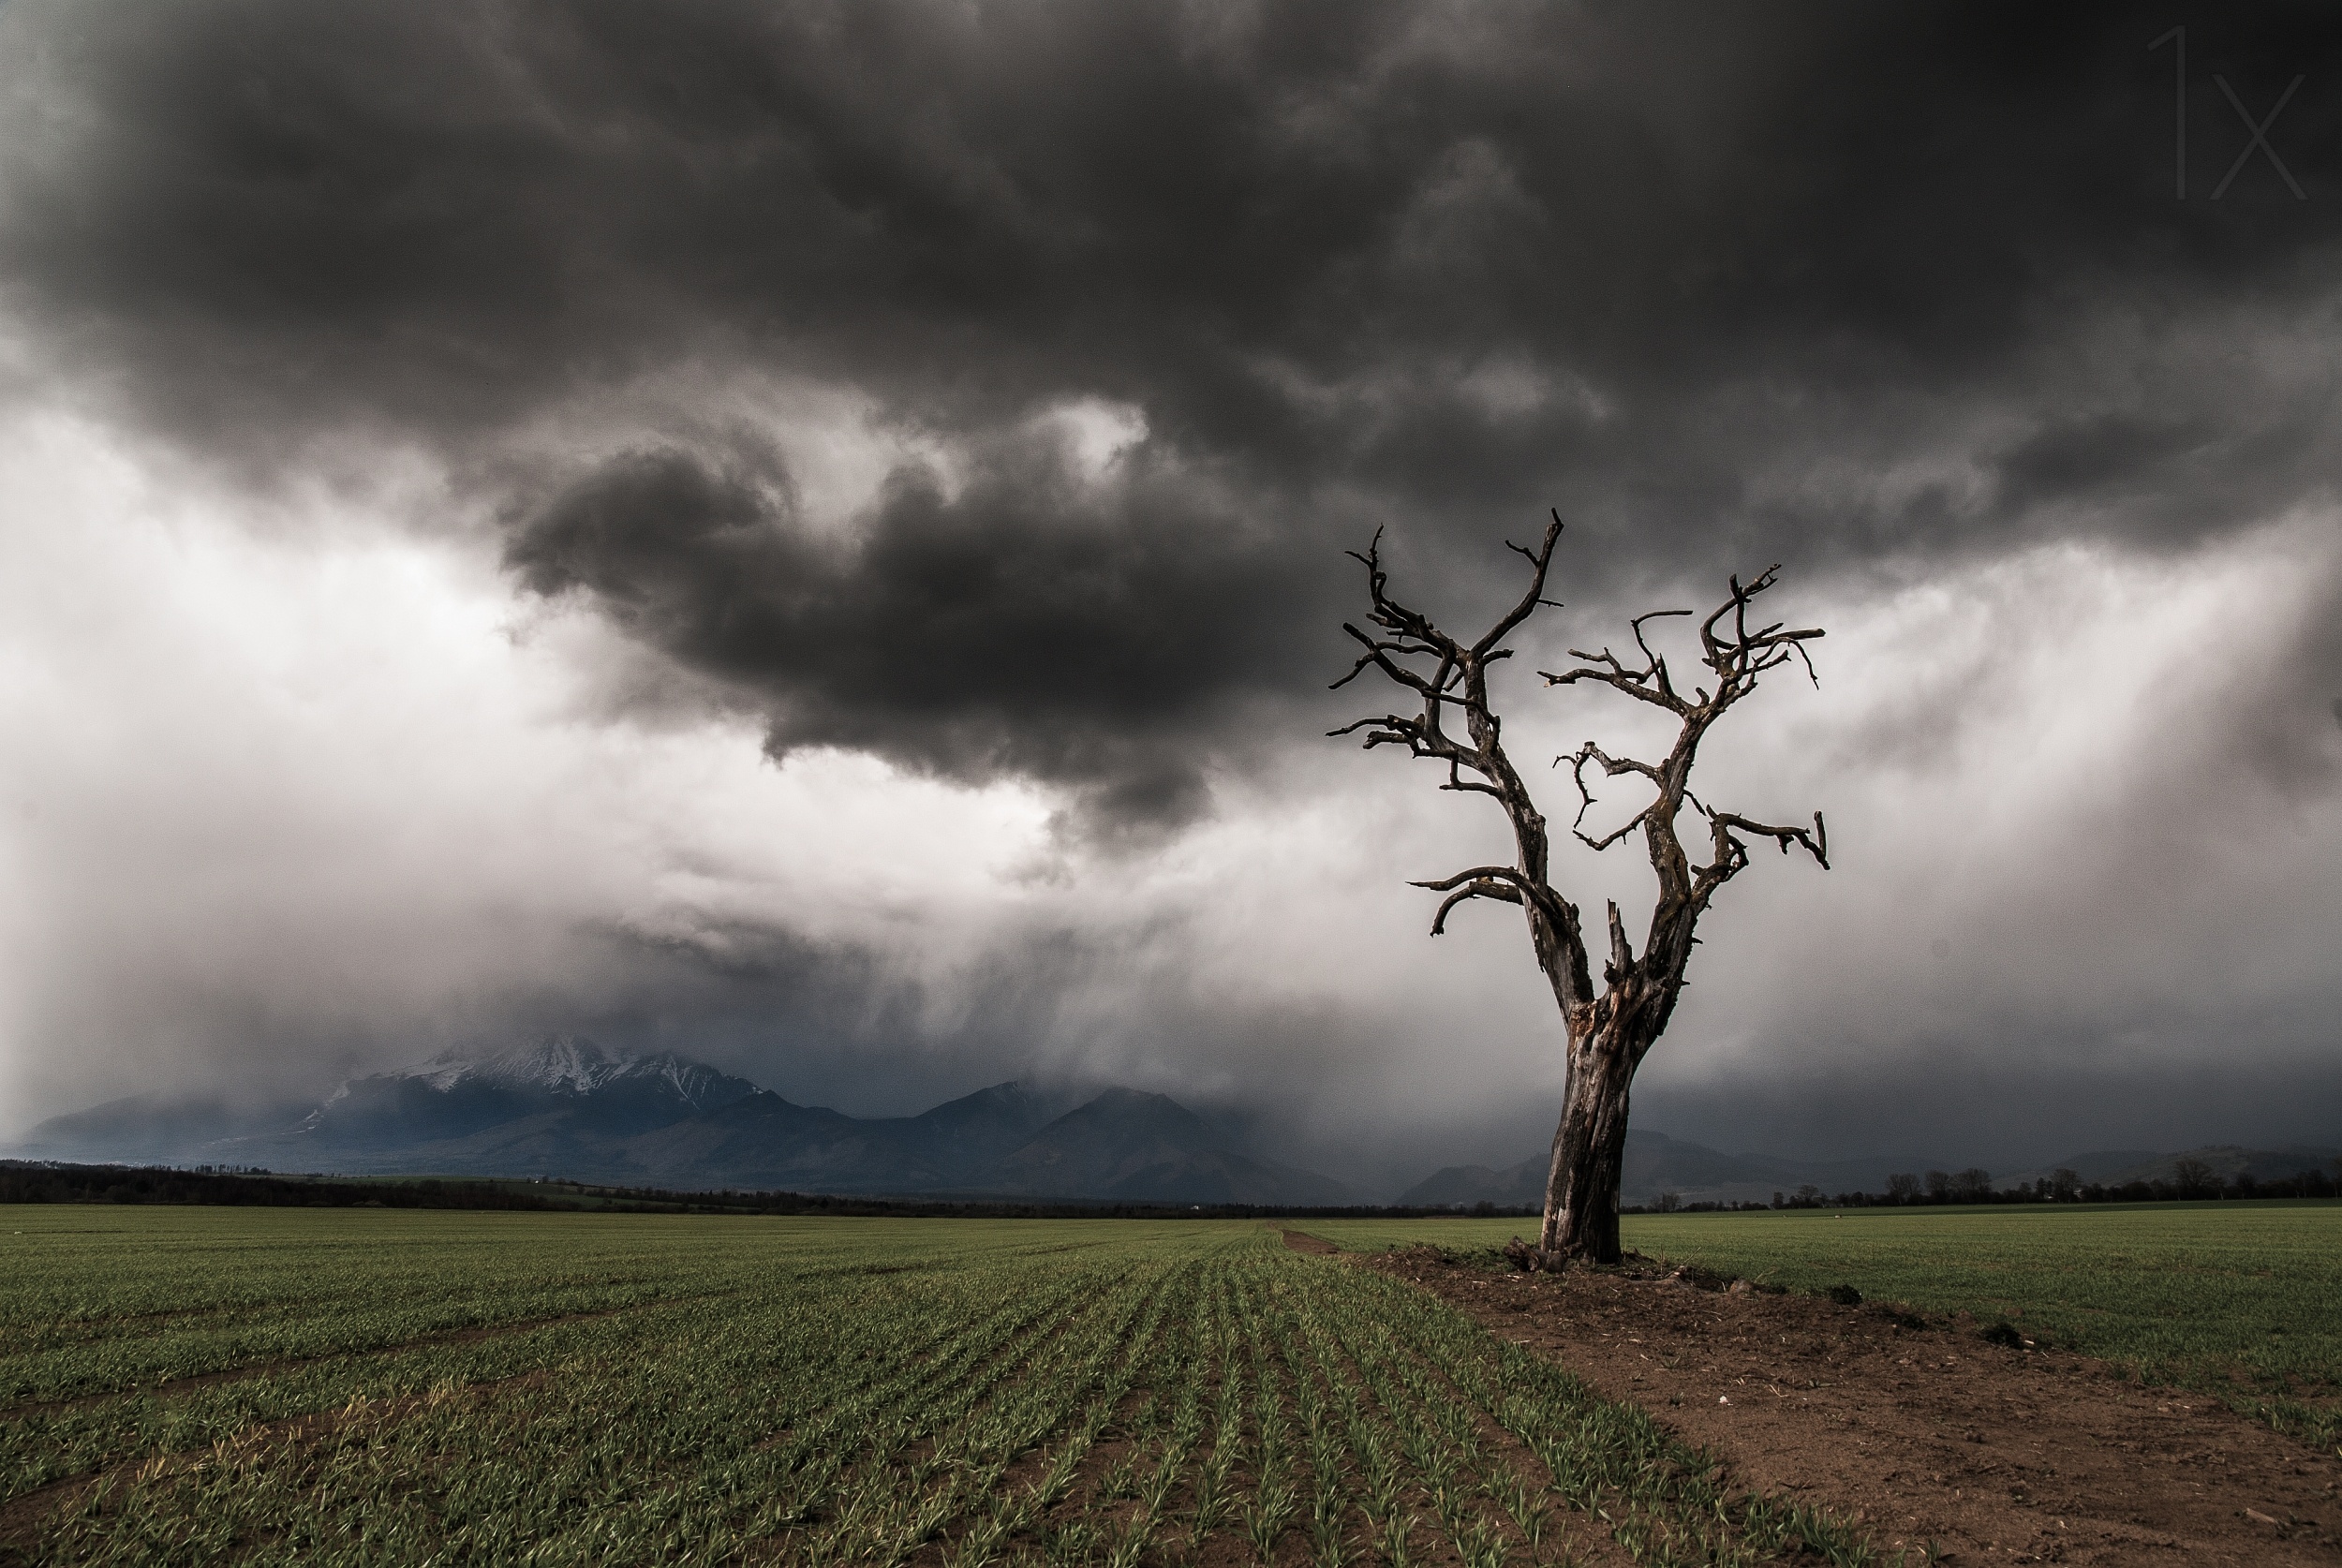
x,y
26,1518
1301,1241
1921,1431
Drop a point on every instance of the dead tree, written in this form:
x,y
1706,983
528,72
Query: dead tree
x,y
1611,1029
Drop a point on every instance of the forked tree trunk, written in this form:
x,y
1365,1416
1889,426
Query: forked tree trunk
x,y
1589,1153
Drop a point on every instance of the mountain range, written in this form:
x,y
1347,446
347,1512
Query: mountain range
x,y
567,1107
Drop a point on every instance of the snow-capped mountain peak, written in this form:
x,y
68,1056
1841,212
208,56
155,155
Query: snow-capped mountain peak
x,y
562,1063
557,1071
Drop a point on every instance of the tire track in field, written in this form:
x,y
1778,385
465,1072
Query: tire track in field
x,y
171,1388
265,1311
25,1509
22,1516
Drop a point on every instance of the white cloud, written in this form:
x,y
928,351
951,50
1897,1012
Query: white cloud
x,y
304,797
1096,431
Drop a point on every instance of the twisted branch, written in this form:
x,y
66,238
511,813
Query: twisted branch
x,y
1449,677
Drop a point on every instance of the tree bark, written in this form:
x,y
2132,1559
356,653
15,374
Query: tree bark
x,y
1581,1187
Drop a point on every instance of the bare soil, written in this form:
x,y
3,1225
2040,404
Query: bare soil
x,y
1924,1432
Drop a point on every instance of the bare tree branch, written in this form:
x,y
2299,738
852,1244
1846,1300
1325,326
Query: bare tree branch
x,y
1637,820
1472,890
1816,842
1621,962
1612,767
1457,781
1540,562
1503,873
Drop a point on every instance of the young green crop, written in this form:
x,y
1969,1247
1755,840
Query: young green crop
x,y
609,1388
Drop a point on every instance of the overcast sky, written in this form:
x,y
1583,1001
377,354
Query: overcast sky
x,y
813,535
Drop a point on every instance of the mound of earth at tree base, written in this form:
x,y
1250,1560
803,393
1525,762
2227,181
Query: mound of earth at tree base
x,y
1922,1431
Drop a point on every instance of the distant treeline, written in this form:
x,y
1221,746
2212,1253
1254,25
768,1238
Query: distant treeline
x,y
2192,1181
44,1182
38,1182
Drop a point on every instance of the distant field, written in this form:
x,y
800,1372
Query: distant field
x,y
371,1386
2242,1298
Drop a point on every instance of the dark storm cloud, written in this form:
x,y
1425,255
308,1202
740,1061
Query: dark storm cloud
x,y
1823,283
444,214
1015,628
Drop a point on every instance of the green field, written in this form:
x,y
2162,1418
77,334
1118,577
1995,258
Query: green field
x,y
2242,1299
186,1385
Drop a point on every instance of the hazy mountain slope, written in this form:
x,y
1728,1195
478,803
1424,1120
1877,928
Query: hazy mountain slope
x,y
1136,1146
452,1095
765,1141
153,1130
565,1106
965,1138
1108,1140
1463,1186
1219,1177
560,1105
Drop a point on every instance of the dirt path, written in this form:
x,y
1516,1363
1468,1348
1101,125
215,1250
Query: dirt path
x,y
1922,1432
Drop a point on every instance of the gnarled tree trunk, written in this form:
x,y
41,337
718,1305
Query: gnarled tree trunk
x,y
1589,1153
